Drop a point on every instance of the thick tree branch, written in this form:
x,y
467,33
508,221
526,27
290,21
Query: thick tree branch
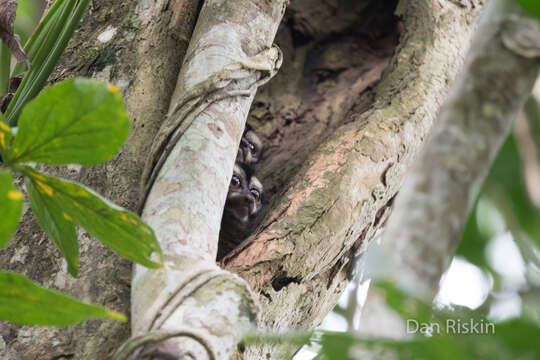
x,y
144,59
298,261
440,190
188,175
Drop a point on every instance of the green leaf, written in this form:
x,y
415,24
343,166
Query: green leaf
x,y
119,229
57,224
5,136
23,302
76,121
343,346
50,41
456,335
474,241
531,6
508,187
532,112
521,336
515,339
5,61
11,208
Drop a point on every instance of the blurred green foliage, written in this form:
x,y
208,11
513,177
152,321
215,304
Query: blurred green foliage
x,y
515,339
28,15
505,189
531,6
448,334
43,49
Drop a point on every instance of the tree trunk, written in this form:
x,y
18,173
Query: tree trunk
x,y
329,210
357,94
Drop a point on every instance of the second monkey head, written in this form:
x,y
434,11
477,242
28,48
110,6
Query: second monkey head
x,y
250,149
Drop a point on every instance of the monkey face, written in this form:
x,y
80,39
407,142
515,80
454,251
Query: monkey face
x,y
244,196
250,149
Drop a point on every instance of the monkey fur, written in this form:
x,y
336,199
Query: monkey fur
x,y
244,197
242,205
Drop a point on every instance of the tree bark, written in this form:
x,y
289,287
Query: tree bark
x,y
230,53
144,59
441,189
329,210
351,135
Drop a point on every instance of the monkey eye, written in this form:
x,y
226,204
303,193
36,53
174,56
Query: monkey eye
x,y
235,182
251,147
256,194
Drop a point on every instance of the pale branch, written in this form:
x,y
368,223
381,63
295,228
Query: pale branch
x,y
189,170
436,198
219,86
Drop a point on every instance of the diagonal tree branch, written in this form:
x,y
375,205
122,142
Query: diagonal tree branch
x,y
441,188
298,261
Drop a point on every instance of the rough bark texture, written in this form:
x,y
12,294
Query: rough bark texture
x,y
326,212
339,144
230,51
442,187
143,58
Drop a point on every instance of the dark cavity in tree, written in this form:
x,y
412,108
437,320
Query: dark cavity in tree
x,y
282,281
334,55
